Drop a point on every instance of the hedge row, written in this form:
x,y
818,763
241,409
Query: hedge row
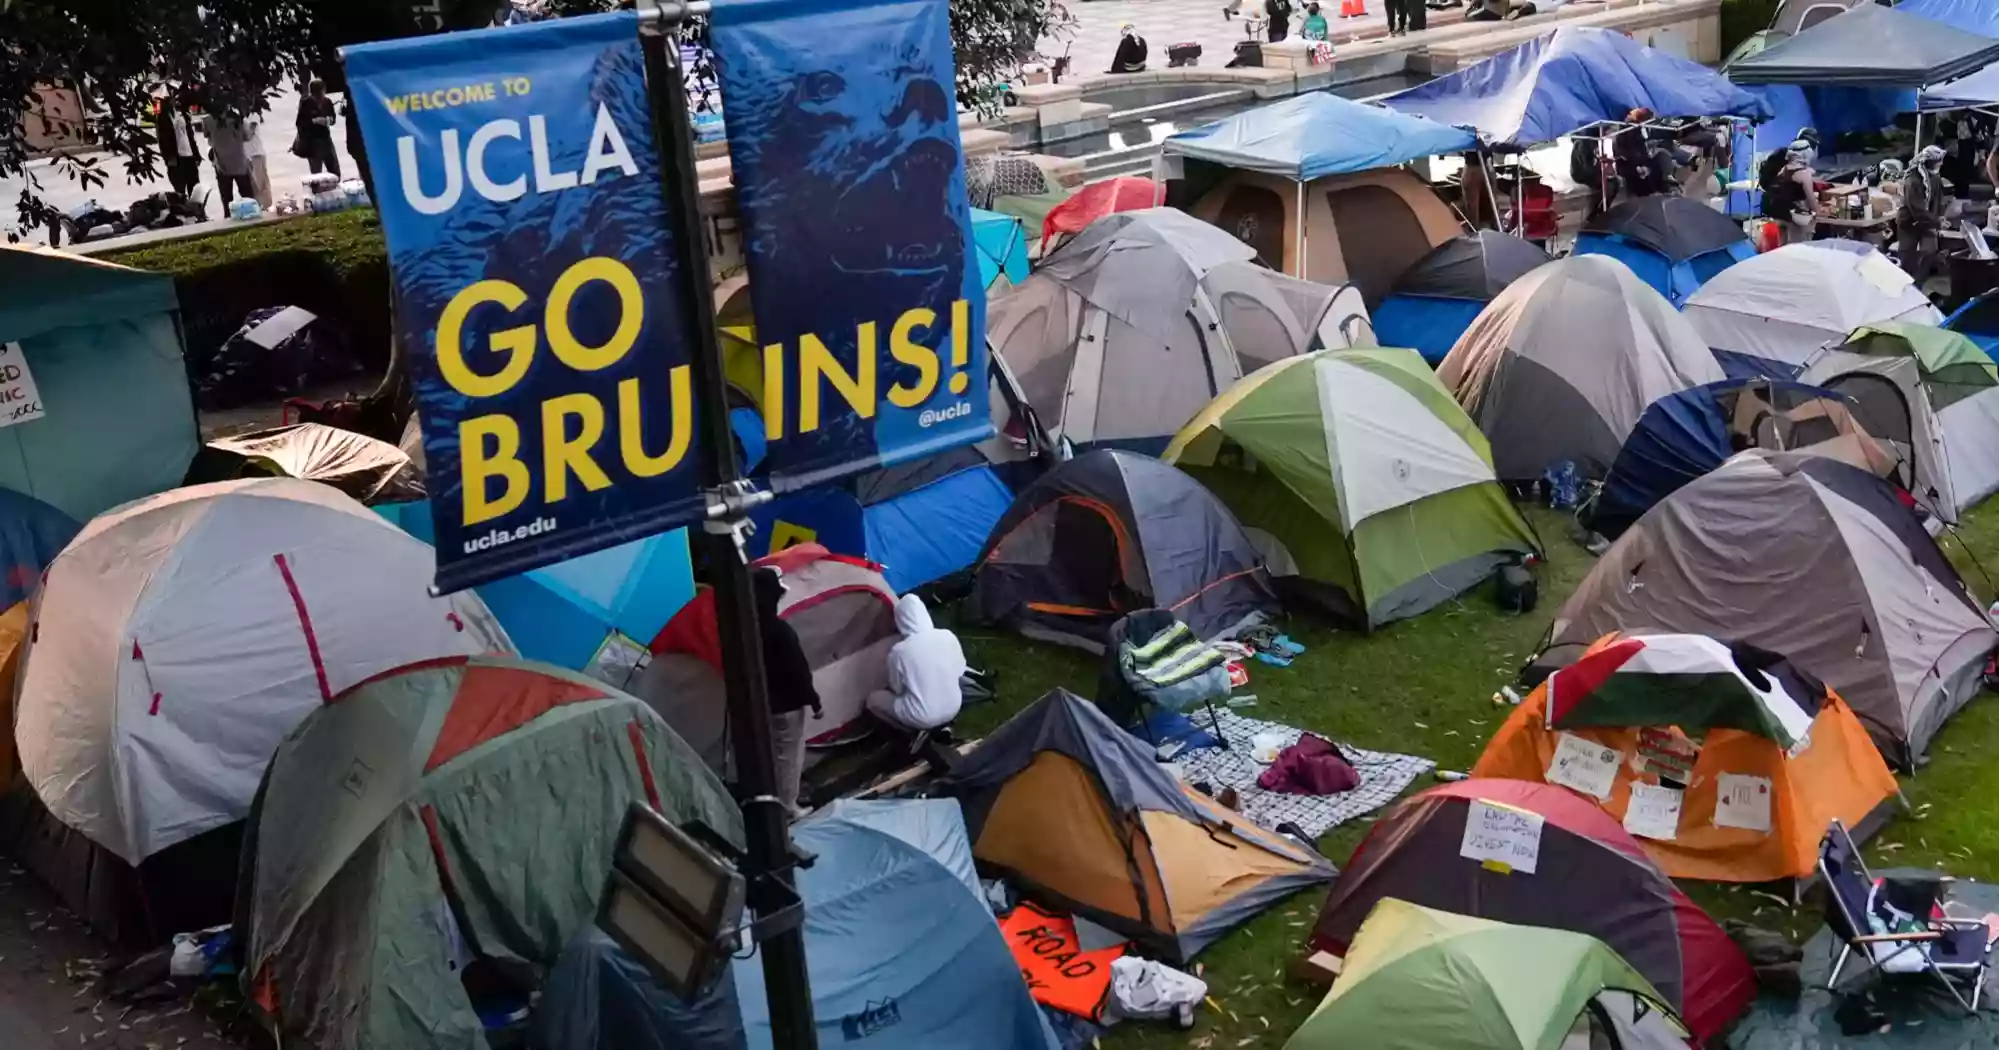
x,y
333,265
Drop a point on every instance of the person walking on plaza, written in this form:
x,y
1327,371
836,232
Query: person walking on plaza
x,y
924,670
229,150
316,116
1279,14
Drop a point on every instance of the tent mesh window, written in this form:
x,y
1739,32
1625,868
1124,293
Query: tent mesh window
x,y
1255,216
1880,407
1259,335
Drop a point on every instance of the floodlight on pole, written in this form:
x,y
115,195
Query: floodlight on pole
x,y
674,900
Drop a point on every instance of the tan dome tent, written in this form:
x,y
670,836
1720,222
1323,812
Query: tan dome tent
x,y
1132,327
1078,814
1363,228
1805,556
1564,362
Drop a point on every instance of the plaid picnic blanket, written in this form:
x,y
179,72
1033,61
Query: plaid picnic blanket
x,y
1383,776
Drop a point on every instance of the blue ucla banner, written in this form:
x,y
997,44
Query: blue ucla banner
x,y
519,187
850,181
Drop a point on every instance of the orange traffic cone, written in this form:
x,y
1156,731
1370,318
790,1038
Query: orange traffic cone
x,y
1353,8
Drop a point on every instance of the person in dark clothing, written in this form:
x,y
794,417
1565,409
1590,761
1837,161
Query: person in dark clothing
x,y
1637,167
179,151
1131,51
1279,13
1586,170
1398,15
1415,17
316,116
788,674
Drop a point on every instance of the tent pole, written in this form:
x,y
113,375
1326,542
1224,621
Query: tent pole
x,y
1301,231
1491,190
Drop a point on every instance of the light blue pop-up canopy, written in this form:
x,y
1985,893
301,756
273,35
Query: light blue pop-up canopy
x,y
562,614
1568,80
1307,137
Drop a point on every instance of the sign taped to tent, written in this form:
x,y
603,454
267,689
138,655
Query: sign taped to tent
x,y
1503,838
537,288
20,401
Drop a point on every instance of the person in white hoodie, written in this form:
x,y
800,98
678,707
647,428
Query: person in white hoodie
x,y
923,672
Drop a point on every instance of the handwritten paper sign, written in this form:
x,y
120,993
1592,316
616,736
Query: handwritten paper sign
x,y
1654,811
19,400
1742,801
1584,765
1502,838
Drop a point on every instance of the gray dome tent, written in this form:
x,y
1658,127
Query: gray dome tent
x,y
1809,557
1561,365
1109,533
1136,324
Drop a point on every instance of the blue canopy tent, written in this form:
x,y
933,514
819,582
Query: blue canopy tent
x,y
32,533
1873,47
1682,436
903,953
1311,136
921,521
1001,244
1438,298
1671,243
1568,80
563,614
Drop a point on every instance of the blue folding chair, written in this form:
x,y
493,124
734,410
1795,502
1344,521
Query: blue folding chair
x,y
1954,951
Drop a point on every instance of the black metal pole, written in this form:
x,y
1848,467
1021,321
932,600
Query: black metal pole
x,y
766,818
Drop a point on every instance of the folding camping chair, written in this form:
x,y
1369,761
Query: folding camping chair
x,y
1951,950
1125,700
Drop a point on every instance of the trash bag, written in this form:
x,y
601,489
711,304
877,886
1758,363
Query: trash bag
x,y
1776,959
1150,991
278,352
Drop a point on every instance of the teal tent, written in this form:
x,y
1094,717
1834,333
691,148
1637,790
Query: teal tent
x,y
97,347
1001,243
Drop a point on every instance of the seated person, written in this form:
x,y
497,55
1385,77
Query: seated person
x,y
1131,51
923,672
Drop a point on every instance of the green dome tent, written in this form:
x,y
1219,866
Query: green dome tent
x,y
1416,979
1367,490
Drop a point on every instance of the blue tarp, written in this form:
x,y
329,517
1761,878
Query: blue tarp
x,y
903,955
1870,46
1427,324
563,613
1972,16
32,533
1570,79
1310,136
1978,320
1002,246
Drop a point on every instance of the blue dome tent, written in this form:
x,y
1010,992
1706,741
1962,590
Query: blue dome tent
x,y
562,614
1685,435
32,533
921,521
1978,320
1435,301
903,952
1000,243
1671,243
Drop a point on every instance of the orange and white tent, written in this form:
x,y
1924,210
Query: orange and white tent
x,y
1725,762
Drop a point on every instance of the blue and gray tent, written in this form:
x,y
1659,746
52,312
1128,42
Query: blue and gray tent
x,y
921,521
1079,815
1435,301
1685,435
1978,321
1671,243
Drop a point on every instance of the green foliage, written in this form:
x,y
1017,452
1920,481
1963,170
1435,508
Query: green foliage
x,y
333,265
1742,19
992,38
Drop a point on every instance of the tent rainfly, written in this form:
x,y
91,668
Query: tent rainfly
x,y
1568,80
1770,315
1650,697
1870,46
1433,302
1671,243
1418,979
1805,556
1367,490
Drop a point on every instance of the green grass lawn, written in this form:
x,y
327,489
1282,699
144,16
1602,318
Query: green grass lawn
x,y
1425,687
